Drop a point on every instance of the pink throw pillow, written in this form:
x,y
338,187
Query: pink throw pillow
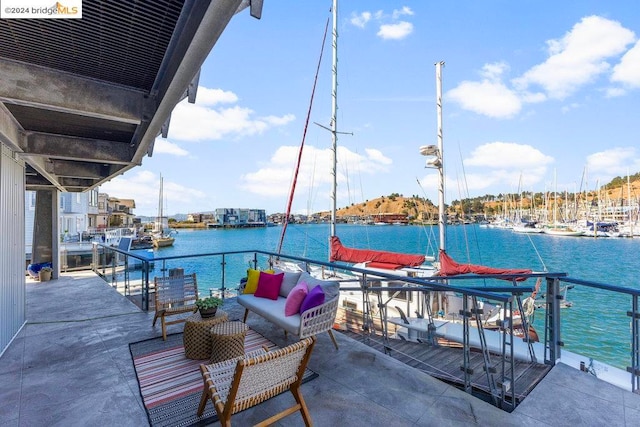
x,y
314,298
269,285
295,298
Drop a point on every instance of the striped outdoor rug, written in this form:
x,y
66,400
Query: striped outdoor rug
x,y
171,385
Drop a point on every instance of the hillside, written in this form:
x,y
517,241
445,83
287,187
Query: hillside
x,y
392,204
616,191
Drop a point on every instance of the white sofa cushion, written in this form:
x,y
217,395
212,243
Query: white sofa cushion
x,y
272,310
288,282
331,288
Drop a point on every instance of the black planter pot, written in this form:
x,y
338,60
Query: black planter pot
x,y
208,312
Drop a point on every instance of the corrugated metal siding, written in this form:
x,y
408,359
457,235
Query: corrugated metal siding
x,y
12,248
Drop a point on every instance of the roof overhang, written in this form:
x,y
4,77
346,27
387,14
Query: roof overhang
x,y
83,100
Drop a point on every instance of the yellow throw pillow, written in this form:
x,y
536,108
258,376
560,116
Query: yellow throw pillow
x,y
252,280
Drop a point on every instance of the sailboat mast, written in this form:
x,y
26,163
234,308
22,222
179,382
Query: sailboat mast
x,y
334,115
160,213
628,216
441,209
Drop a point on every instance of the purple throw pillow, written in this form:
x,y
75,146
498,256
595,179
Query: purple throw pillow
x,y
269,285
314,298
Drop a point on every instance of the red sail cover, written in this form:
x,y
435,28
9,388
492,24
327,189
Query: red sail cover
x,y
342,253
448,267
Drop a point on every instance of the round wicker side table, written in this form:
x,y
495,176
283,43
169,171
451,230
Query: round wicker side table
x,y
197,334
227,341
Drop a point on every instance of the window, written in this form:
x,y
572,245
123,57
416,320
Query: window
x,y
400,295
93,198
31,200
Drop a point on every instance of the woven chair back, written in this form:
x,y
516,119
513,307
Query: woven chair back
x,y
270,374
176,290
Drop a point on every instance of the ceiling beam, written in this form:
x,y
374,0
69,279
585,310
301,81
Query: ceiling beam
x,y
76,184
84,170
79,149
41,87
10,133
40,165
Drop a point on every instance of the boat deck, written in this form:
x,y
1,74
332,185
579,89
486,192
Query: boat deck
x,y
444,360
445,363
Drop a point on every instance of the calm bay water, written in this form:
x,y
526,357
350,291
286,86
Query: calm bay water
x,y
596,325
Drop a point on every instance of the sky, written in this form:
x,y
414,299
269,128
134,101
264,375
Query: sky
x,y
537,96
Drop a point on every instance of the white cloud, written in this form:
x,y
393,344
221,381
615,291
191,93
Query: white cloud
x,y
360,20
614,162
144,187
279,121
204,121
488,98
406,10
627,71
501,167
395,31
614,92
209,97
577,58
508,155
163,146
377,156
390,27
274,178
569,107
493,72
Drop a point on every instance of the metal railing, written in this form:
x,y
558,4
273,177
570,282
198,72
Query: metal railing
x,y
219,273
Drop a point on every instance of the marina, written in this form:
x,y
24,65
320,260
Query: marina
x,y
520,320
606,339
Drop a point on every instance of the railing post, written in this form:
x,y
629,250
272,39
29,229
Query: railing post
x,y
145,285
365,303
634,369
114,265
553,340
223,264
466,348
94,256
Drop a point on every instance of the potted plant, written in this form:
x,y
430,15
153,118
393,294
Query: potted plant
x,y
44,275
208,306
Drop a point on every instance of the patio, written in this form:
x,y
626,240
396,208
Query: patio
x,y
70,365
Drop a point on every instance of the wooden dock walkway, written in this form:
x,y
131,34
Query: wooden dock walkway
x,y
445,361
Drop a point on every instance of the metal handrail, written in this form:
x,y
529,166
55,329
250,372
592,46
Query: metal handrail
x,y
505,294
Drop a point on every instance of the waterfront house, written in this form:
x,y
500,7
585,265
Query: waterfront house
x,y
120,212
238,218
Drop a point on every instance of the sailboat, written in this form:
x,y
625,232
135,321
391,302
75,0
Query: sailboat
x,y
161,238
557,228
373,260
398,264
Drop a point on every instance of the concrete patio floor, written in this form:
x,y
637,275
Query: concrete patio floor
x,y
70,366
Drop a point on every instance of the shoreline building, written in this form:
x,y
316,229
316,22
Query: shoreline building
x,y
238,218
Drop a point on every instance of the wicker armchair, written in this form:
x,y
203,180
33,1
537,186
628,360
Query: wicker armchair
x,y
237,384
174,295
